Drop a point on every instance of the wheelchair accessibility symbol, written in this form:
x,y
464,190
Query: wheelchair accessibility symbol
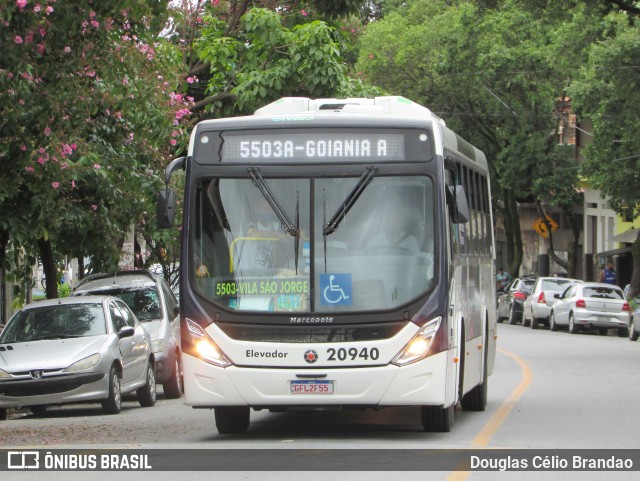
x,y
336,289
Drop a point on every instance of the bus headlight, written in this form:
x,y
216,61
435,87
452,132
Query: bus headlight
x,y
418,347
205,348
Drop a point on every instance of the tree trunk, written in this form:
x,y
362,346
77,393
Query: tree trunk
x,y
80,268
49,268
512,232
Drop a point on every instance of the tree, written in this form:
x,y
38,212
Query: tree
x,y
88,111
490,70
606,94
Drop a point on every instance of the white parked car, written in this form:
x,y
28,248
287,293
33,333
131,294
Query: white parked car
x,y
537,306
591,305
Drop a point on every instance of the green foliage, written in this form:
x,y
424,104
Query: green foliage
x,y
608,95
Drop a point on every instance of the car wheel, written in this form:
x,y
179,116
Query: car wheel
x,y
512,316
623,332
147,394
173,387
232,419
552,322
603,331
499,318
573,327
113,403
526,322
633,335
535,323
3,414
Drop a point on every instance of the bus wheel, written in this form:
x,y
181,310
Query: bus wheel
x,y
3,414
476,399
437,419
633,335
232,419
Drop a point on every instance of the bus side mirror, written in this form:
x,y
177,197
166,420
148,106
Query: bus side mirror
x,y
458,203
166,209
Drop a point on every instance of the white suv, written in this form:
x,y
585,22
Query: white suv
x,y
151,299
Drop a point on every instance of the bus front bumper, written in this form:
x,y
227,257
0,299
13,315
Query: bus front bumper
x,y
422,383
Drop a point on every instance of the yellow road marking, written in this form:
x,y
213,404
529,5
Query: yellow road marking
x,y
489,429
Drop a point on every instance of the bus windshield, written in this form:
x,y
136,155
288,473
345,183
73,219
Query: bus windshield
x,y
380,255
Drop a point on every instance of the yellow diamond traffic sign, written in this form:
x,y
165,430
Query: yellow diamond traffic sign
x,y
541,228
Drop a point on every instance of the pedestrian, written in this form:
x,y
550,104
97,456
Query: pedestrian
x,y
503,279
608,274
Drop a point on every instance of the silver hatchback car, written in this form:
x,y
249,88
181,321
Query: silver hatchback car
x,y
591,305
537,306
72,350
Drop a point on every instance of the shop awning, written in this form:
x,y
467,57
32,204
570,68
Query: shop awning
x,y
630,236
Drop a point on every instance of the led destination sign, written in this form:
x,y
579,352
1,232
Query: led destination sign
x,y
314,146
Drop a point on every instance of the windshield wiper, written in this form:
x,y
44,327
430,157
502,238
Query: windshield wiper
x,y
287,225
366,178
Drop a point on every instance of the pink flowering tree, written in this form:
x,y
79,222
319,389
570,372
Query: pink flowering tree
x,y
88,122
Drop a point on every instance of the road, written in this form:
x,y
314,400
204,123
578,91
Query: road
x,y
549,390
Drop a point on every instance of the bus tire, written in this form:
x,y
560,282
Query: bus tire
x,y
633,335
437,419
232,419
3,414
476,399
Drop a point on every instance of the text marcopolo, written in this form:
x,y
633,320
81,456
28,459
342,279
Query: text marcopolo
x,y
551,463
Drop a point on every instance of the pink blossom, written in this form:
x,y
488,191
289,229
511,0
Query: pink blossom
x,y
96,166
41,150
95,23
173,141
40,48
214,3
303,13
55,185
21,4
92,14
47,131
73,184
67,49
371,55
29,169
191,80
18,39
74,146
174,133
42,160
37,8
49,10
29,37
21,102
66,149
94,207
42,31
23,148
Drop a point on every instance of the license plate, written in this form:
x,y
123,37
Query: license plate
x,y
311,387
604,319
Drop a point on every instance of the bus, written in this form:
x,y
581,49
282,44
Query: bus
x,y
335,254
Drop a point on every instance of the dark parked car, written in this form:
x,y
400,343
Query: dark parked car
x,y
511,300
156,307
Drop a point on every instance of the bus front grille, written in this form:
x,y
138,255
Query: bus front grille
x,y
312,334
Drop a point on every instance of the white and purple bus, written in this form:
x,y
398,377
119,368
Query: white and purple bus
x,y
336,253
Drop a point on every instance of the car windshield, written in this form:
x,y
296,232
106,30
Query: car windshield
x,y
61,321
357,249
143,301
603,293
